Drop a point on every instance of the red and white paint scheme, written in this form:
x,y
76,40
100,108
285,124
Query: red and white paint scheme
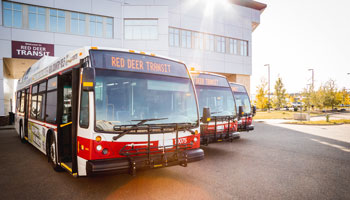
x,y
214,92
105,110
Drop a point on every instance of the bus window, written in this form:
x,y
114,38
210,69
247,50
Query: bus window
x,y
51,100
51,107
42,87
84,110
33,110
67,99
22,102
41,101
52,83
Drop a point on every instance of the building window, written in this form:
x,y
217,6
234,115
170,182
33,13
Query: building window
x,y
96,26
174,37
244,48
12,14
233,46
57,20
141,29
186,39
109,27
77,23
198,40
220,44
37,18
209,42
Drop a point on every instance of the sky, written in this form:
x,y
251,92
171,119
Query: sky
x,y
297,35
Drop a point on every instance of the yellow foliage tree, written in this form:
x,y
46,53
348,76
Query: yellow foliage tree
x,y
261,101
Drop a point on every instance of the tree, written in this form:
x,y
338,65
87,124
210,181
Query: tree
x,y
343,96
318,98
261,100
331,99
307,97
280,94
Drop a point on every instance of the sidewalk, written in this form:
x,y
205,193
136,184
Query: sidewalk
x,y
7,127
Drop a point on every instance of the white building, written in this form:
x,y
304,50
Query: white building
x,y
213,36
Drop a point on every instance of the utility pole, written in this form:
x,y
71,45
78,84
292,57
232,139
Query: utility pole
x,y
268,65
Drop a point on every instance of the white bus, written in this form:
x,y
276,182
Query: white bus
x,y
248,112
103,110
214,92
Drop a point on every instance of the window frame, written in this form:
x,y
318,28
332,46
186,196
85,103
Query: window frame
x,y
49,90
56,17
37,15
32,94
85,126
12,10
43,101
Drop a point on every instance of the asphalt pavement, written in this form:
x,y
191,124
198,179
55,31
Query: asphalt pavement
x,y
271,162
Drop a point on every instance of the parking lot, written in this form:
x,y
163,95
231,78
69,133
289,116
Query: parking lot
x,y
272,162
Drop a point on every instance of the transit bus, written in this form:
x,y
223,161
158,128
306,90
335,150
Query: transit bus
x,y
104,110
242,100
214,92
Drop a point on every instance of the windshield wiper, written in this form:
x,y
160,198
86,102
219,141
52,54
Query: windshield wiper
x,y
134,127
216,112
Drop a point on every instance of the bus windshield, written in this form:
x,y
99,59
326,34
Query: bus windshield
x,y
122,96
218,99
242,99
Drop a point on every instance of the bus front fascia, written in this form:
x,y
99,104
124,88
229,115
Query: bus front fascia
x,y
149,156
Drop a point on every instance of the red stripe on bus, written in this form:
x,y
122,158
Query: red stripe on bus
x,y
87,147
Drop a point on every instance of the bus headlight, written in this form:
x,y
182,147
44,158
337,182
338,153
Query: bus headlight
x,y
195,139
98,147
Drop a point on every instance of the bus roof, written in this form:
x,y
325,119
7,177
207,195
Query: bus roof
x,y
47,66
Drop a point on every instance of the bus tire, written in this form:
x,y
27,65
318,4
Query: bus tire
x,y
52,153
21,133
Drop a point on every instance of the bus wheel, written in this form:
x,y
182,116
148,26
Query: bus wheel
x,y
53,153
21,133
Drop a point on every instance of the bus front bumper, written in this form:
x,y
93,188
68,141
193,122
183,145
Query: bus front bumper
x,y
246,128
220,137
131,164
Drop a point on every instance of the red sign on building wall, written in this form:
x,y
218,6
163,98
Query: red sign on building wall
x,y
31,50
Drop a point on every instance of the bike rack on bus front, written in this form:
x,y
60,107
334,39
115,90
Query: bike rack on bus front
x,y
175,150
224,136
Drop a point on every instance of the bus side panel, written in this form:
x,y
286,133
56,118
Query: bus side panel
x,y
37,132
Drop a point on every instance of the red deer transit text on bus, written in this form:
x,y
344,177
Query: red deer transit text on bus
x,y
136,64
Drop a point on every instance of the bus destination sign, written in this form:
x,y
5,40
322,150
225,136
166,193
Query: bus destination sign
x,y
209,80
237,88
137,63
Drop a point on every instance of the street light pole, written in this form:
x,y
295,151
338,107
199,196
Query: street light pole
x,y
313,80
268,65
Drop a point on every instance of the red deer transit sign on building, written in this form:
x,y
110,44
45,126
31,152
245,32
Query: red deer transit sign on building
x,y
31,50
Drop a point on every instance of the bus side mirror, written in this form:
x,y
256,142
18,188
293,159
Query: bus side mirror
x,y
254,110
88,79
240,112
206,115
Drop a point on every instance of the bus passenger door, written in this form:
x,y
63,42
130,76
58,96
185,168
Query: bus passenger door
x,y
68,90
65,120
